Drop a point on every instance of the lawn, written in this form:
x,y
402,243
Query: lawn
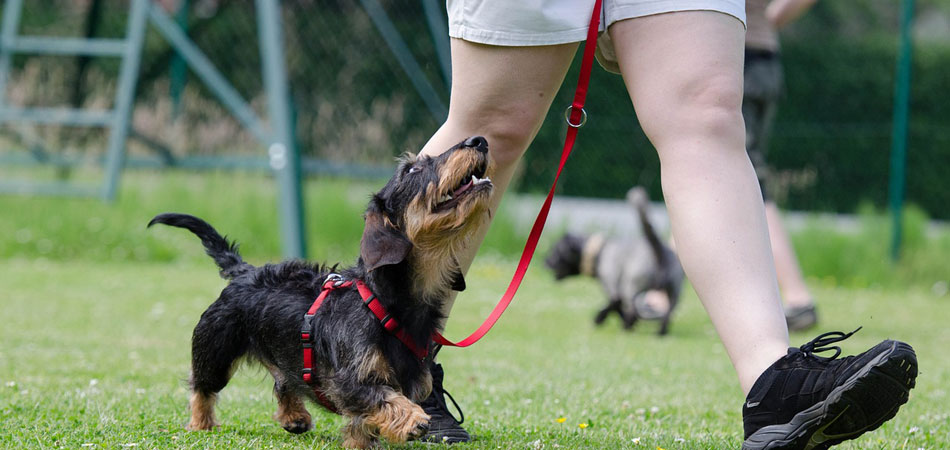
x,y
98,311
94,355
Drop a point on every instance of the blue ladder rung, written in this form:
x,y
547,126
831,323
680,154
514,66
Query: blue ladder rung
x,y
53,188
65,46
60,116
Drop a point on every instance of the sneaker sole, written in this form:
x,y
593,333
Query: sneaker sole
x,y
863,403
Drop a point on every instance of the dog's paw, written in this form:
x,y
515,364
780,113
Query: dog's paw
x,y
295,422
400,420
202,425
416,424
297,426
420,430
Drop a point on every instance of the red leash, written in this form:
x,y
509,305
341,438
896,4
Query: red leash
x,y
576,117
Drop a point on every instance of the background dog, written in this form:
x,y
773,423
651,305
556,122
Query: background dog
x,y
627,268
414,227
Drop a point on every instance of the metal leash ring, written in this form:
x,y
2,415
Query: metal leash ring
x,y
567,117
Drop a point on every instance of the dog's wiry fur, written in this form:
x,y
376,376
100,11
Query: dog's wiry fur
x,y
414,227
627,269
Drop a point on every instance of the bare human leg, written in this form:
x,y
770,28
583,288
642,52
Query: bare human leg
x,y
683,71
503,94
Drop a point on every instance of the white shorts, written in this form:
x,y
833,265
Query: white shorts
x,y
548,22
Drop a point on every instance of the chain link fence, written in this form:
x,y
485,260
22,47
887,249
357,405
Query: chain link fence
x,y
356,106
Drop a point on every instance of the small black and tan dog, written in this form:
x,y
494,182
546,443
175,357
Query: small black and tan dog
x,y
366,371
628,269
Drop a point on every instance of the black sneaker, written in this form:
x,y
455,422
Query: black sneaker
x,y
806,402
443,426
801,317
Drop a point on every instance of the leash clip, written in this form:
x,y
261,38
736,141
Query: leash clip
x,y
567,117
334,278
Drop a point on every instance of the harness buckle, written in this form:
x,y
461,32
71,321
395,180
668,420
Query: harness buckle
x,y
306,329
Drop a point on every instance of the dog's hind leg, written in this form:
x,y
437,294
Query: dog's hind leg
x,y
291,412
612,305
673,294
630,315
665,324
216,345
630,319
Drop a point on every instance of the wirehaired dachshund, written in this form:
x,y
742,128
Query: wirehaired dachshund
x,y
366,367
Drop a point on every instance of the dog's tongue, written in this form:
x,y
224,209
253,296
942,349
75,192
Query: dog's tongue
x,y
464,188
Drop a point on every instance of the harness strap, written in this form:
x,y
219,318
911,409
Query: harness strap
x,y
306,338
576,116
388,322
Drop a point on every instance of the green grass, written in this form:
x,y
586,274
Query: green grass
x,y
239,204
97,354
97,316
862,258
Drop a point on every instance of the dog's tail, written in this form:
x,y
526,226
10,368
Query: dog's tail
x,y
224,253
637,196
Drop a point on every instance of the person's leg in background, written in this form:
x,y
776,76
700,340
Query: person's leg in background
x,y
763,87
503,94
800,311
684,74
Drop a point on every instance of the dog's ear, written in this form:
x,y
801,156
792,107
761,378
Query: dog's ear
x,y
382,243
458,281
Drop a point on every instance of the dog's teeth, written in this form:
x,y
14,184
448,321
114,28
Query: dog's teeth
x,y
445,198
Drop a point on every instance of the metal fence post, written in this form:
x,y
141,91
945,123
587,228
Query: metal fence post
x,y
405,59
284,157
440,37
12,10
179,70
899,131
122,111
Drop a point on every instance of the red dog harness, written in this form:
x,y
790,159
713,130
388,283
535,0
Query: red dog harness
x,y
389,323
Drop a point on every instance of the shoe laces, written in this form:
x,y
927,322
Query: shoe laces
x,y
445,406
823,342
440,393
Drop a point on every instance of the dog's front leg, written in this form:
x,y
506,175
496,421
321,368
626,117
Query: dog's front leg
x,y
396,419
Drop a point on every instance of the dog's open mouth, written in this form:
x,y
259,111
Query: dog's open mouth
x,y
473,182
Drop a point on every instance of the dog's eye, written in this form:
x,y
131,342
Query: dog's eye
x,y
413,169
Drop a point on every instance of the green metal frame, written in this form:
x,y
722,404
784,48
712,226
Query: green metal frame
x,y
899,131
284,157
405,59
117,120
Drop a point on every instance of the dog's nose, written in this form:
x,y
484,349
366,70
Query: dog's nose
x,y
477,142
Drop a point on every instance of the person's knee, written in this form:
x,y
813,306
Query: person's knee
x,y
708,109
714,108
508,131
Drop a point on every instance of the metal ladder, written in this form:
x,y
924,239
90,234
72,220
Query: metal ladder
x,y
117,119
